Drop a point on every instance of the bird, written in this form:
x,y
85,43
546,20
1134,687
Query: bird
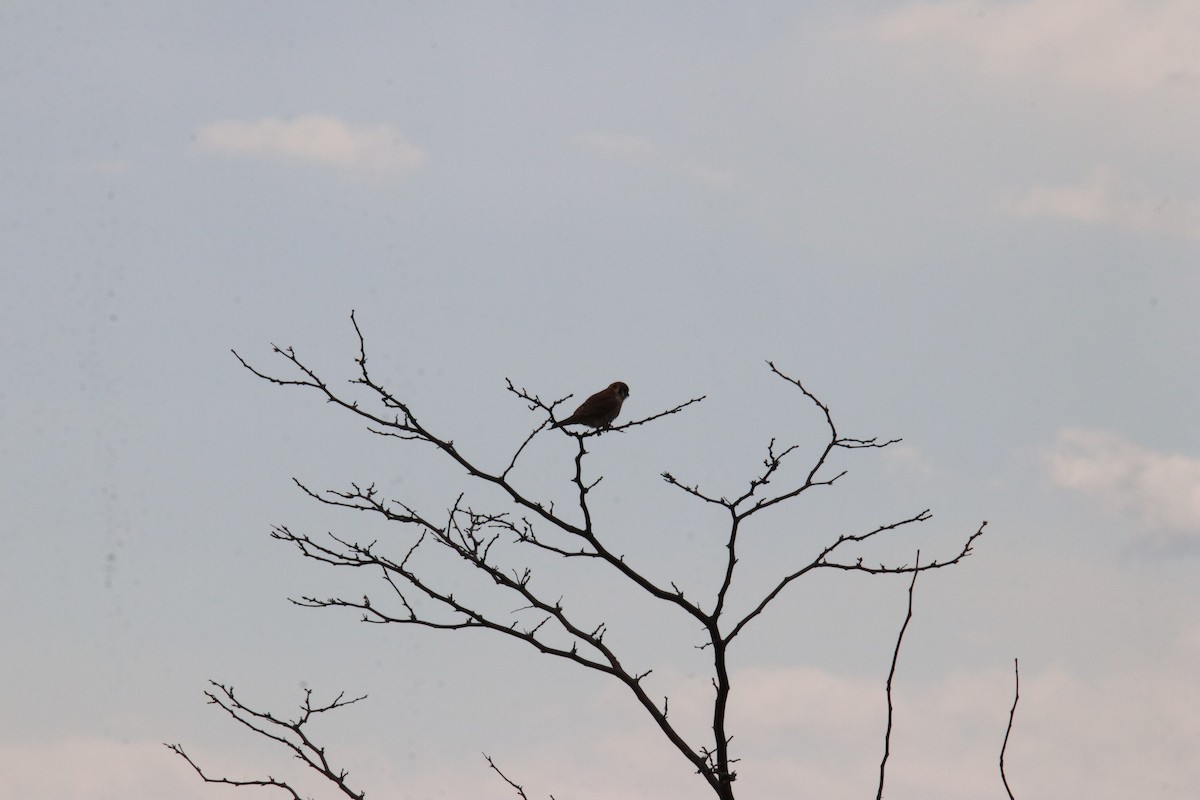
x,y
599,410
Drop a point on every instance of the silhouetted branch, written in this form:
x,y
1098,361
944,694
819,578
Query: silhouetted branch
x,y
636,422
535,403
288,733
1011,713
694,491
822,561
520,790
887,736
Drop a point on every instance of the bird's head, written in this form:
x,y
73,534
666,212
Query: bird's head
x,y
620,389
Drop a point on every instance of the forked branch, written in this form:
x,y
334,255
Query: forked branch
x,y
291,734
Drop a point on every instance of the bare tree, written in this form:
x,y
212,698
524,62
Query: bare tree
x,y
489,544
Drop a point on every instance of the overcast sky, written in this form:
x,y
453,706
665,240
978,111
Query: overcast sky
x,y
971,224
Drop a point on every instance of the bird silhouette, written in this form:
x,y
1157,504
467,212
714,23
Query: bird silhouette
x,y
599,410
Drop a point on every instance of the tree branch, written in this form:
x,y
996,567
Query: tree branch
x,y
405,425
822,561
519,789
1011,713
887,736
289,733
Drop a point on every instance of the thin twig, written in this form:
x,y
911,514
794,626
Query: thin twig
x,y
520,789
887,736
1011,713
289,733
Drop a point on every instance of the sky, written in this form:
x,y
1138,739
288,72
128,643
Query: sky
x,y
971,224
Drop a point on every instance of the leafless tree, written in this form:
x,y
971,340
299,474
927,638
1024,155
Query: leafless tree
x,y
489,543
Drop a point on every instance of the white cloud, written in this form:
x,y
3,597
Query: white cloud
x,y
1105,198
315,138
806,732
948,732
800,731
1125,45
99,768
1162,488
819,729
1117,734
94,768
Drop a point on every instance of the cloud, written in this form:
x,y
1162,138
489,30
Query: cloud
x,y
1105,198
93,768
102,768
315,138
1162,488
802,731
1121,45
947,732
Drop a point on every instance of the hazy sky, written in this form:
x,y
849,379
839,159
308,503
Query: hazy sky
x,y
972,224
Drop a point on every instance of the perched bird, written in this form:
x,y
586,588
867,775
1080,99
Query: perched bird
x,y
599,410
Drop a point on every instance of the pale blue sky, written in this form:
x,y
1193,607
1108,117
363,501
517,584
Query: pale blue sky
x,y
971,224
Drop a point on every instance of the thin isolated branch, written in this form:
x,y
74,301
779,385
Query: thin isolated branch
x,y
520,790
513,462
884,569
283,785
634,423
288,733
887,736
534,403
1011,713
533,400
